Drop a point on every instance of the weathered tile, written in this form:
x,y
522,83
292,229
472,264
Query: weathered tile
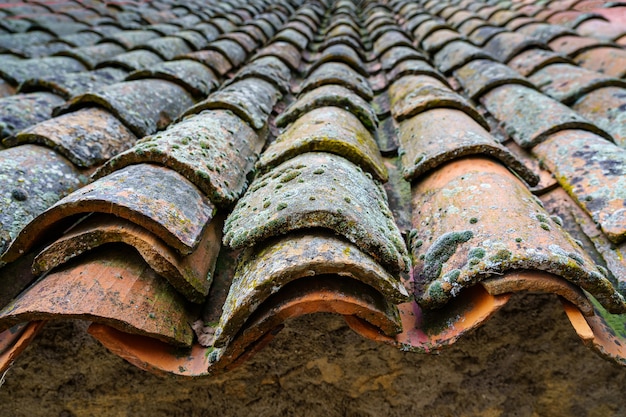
x,y
398,54
130,39
591,170
567,83
483,34
327,129
265,270
87,137
530,117
33,178
284,51
190,275
456,54
246,41
270,69
601,29
413,94
520,22
75,83
544,32
234,52
434,137
481,75
212,59
132,61
196,78
574,45
502,17
527,62
340,53
504,46
460,17
607,60
462,245
414,67
547,182
96,288
215,150
415,21
252,99
293,37
17,72
81,39
194,39
354,207
160,200
167,47
427,28
390,39
15,340
330,95
440,38
315,295
17,112
605,107
19,42
341,74
144,106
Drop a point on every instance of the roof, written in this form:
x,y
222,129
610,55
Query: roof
x,y
187,179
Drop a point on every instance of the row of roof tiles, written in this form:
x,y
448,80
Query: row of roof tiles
x,y
378,161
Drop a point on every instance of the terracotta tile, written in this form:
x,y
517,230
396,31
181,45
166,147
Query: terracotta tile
x,y
130,39
459,247
74,84
503,17
427,28
399,54
264,271
437,40
143,105
539,282
15,340
414,67
437,136
20,111
390,39
132,61
574,45
212,59
97,289
381,22
591,170
527,62
16,72
214,149
505,46
246,41
330,95
252,99
547,182
604,107
320,294
87,137
284,51
481,75
530,117
414,22
601,29
209,30
19,43
166,47
469,26
428,331
196,78
489,11
458,19
293,37
483,34
340,53
602,332
234,52
355,207
456,54
344,30
413,94
341,74
179,225
81,39
327,129
607,60
520,22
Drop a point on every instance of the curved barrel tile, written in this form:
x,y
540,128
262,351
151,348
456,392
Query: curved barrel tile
x,y
593,171
414,67
132,61
605,106
532,60
214,149
481,75
87,137
354,207
212,59
33,178
327,129
190,275
263,271
196,78
96,288
340,74
330,95
462,245
437,136
157,198
145,106
458,53
17,112
270,69
16,72
15,340
284,51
